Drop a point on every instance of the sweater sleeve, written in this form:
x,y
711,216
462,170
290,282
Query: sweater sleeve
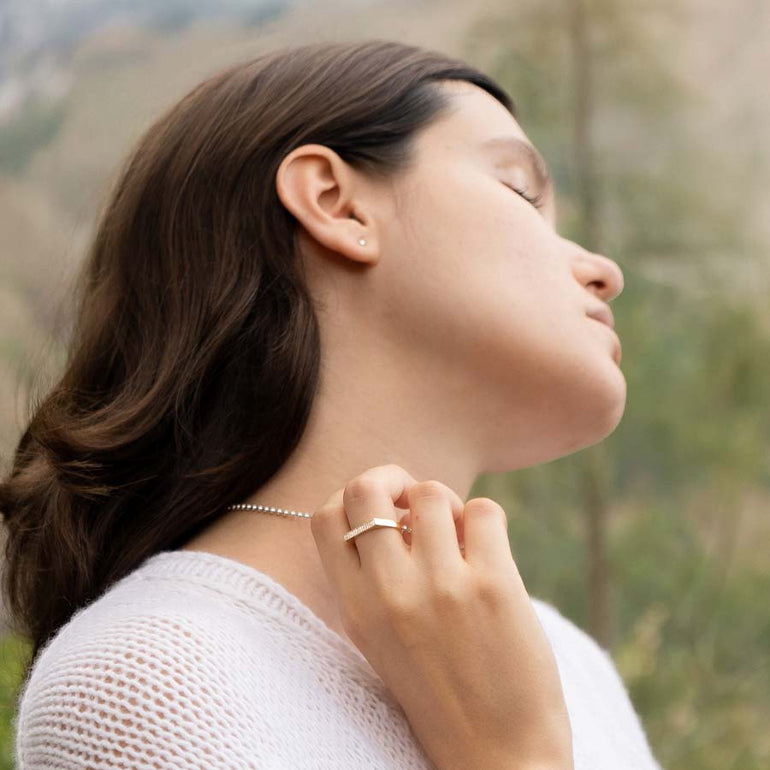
x,y
134,694
597,695
626,718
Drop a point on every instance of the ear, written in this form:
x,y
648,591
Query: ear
x,y
320,189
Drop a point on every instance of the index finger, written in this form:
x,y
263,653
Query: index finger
x,y
342,559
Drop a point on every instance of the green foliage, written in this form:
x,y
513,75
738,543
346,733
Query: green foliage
x,y
698,374
694,658
690,634
13,654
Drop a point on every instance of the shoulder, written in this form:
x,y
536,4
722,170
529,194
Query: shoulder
x,y
597,697
135,680
577,651
566,636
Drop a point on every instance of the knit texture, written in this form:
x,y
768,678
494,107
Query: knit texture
x,y
194,660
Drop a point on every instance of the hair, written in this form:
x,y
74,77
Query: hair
x,y
194,354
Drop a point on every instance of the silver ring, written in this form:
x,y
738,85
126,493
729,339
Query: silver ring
x,y
371,524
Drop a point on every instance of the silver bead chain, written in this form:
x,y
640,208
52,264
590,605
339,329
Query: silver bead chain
x,y
284,512
266,509
291,514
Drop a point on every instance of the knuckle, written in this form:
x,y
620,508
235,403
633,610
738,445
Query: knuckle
x,y
492,591
372,480
485,506
398,603
428,489
448,590
403,614
482,505
362,486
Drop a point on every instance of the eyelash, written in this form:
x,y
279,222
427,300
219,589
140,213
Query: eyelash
x,y
537,201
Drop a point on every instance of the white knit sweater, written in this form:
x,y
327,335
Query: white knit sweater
x,y
198,661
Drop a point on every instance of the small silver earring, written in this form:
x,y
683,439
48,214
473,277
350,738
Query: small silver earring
x,y
362,241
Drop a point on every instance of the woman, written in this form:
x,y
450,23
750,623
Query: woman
x,y
326,279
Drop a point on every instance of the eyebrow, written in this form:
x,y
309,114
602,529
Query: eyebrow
x,y
530,154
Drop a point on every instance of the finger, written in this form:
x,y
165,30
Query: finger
x,y
328,525
486,534
377,493
457,514
434,510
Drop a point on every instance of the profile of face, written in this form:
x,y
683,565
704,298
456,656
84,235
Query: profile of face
x,y
464,289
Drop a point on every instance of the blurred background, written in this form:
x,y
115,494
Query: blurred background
x,y
654,118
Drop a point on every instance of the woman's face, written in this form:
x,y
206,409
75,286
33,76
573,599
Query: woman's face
x,y
489,298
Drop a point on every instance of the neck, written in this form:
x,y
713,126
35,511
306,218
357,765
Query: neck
x,y
358,421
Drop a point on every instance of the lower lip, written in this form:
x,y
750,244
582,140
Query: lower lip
x,y
617,352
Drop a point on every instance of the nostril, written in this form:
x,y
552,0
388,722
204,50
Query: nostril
x,y
597,288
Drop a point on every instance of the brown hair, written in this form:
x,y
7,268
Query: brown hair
x,y
195,352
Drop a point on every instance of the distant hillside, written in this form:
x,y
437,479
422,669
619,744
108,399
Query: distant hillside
x,y
38,37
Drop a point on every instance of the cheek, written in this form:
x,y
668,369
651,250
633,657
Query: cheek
x,y
511,280
484,243
479,271
486,303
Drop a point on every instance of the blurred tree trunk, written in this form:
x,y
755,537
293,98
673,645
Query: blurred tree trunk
x,y
594,486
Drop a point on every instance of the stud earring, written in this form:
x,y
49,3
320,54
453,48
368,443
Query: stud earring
x,y
362,241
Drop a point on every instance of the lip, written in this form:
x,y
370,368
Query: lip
x,y
604,316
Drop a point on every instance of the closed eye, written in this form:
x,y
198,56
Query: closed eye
x,y
536,201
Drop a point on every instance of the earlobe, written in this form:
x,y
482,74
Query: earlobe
x,y
319,189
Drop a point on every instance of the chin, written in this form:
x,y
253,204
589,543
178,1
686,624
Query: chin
x,y
601,412
591,418
591,408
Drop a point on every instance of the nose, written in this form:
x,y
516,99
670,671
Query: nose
x,y
598,273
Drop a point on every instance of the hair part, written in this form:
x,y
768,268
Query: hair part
x,y
195,350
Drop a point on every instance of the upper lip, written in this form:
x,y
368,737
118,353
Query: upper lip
x,y
603,314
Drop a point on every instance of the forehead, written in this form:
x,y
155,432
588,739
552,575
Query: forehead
x,y
479,123
478,126
474,115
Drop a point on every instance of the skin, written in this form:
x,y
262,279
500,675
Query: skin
x,y
456,342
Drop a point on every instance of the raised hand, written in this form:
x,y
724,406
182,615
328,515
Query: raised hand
x,y
451,632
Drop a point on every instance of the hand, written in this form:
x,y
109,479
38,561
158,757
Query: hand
x,y
452,633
